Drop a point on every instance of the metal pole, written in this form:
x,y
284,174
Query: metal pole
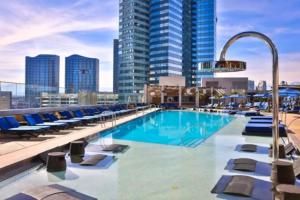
x,y
275,72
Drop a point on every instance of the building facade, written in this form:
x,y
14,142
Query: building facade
x,y
115,65
134,49
82,74
56,100
204,21
251,86
262,86
164,38
41,75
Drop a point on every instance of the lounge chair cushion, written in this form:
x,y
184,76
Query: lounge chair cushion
x,y
93,160
115,148
260,129
249,147
260,121
51,192
244,186
247,167
240,185
244,161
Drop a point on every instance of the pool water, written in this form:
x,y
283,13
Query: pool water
x,y
180,128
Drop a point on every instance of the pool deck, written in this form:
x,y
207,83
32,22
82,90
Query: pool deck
x,y
153,171
293,124
15,151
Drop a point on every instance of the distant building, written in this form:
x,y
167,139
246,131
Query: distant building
x,y
251,86
229,85
262,86
41,75
116,66
5,100
55,100
82,74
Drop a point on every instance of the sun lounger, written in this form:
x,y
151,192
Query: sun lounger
x,y
247,113
79,114
252,148
51,192
18,130
115,148
262,117
249,165
93,160
244,186
67,115
260,129
260,121
32,122
52,118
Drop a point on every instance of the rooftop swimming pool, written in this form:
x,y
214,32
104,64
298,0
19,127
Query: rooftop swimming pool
x,y
180,128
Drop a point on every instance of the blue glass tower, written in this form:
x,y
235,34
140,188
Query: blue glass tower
x,y
116,65
165,39
203,36
82,74
41,75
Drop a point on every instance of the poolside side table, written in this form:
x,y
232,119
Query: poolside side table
x,y
77,148
283,173
288,192
56,162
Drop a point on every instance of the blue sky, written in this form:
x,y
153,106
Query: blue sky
x,y
88,27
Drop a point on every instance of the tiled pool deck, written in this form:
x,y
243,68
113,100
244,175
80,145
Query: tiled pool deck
x,y
153,171
16,151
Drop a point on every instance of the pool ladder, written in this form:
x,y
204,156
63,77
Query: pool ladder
x,y
110,114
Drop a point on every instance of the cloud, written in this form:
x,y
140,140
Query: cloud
x,y
29,29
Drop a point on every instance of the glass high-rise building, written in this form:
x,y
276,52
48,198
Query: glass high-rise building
x,y
82,74
41,75
203,36
116,66
134,49
166,37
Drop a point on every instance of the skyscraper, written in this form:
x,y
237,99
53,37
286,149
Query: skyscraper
x,y
41,75
203,36
82,74
116,66
134,49
171,36
165,39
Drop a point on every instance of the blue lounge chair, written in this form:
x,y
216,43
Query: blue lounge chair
x,y
79,114
52,118
38,121
261,129
67,115
261,121
18,130
262,117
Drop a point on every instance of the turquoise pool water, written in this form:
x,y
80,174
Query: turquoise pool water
x,y
180,128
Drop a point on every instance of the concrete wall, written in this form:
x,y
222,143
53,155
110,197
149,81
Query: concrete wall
x,y
172,81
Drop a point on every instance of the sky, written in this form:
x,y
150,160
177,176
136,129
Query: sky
x,y
88,27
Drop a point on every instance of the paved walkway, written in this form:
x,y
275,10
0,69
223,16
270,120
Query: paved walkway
x,y
293,123
15,151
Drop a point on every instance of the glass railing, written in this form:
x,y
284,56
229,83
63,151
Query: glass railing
x,y
20,96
